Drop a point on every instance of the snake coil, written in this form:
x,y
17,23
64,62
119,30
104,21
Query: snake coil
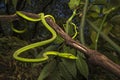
x,y
38,44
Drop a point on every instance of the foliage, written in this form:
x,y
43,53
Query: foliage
x,y
74,3
104,15
11,69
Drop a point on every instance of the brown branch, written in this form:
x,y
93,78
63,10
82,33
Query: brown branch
x,y
8,17
93,56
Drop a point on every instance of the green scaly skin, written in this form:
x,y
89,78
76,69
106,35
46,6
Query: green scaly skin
x,y
38,44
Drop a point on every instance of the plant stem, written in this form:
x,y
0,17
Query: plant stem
x,y
81,27
117,48
101,26
69,20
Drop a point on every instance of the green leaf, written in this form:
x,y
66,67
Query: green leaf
x,y
116,31
73,4
70,29
93,15
47,70
55,75
64,72
107,28
116,19
82,66
70,64
95,8
93,36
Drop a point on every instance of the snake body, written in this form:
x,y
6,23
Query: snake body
x,y
38,44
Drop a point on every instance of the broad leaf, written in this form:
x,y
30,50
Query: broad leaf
x,y
64,72
93,36
116,19
47,70
107,28
116,31
71,31
55,75
95,8
93,15
73,4
82,66
70,66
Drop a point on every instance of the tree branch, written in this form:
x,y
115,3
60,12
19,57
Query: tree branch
x,y
93,56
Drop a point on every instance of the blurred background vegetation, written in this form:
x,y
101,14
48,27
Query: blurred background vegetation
x,y
104,14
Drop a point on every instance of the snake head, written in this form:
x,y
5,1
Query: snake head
x,y
67,56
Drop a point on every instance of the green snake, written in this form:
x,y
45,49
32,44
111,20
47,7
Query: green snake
x,y
45,57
